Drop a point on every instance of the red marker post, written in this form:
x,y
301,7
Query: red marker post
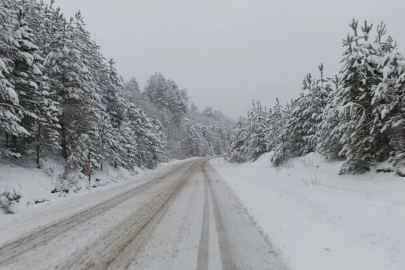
x,y
89,168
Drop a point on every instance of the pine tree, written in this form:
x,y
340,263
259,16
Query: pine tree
x,y
389,98
157,90
249,140
256,143
316,101
191,143
284,147
115,108
297,136
329,133
178,102
159,142
238,139
66,66
11,112
40,119
274,125
360,77
132,90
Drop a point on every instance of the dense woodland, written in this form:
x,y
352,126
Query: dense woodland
x,y
357,116
59,93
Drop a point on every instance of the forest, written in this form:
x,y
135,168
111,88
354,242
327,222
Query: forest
x,y
357,116
59,94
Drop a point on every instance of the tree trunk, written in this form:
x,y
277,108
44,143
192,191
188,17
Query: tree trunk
x,y
102,152
14,143
38,145
64,143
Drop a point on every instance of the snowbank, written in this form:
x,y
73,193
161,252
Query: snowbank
x,y
320,220
33,186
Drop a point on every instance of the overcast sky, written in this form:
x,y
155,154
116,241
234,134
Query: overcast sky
x,y
228,52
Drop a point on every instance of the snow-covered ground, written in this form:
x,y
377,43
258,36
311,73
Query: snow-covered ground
x,y
35,185
318,219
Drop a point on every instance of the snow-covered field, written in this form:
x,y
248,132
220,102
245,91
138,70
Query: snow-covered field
x,y
317,219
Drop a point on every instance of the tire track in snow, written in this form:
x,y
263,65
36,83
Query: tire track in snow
x,y
129,252
250,248
202,259
12,250
227,259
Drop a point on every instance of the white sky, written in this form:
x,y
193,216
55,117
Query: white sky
x,y
228,52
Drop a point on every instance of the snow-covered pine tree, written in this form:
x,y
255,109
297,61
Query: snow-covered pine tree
x,y
66,66
329,133
128,147
39,102
248,140
157,90
178,102
389,99
380,136
219,128
274,125
163,99
116,109
206,134
297,127
284,147
132,90
11,112
237,140
316,101
102,136
158,140
360,77
191,144
297,137
256,143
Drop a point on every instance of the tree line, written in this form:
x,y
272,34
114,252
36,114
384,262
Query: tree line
x,y
189,132
357,116
59,93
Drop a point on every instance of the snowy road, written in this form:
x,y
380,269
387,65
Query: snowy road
x,y
184,218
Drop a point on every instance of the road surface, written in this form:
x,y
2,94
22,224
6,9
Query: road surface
x,y
183,218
